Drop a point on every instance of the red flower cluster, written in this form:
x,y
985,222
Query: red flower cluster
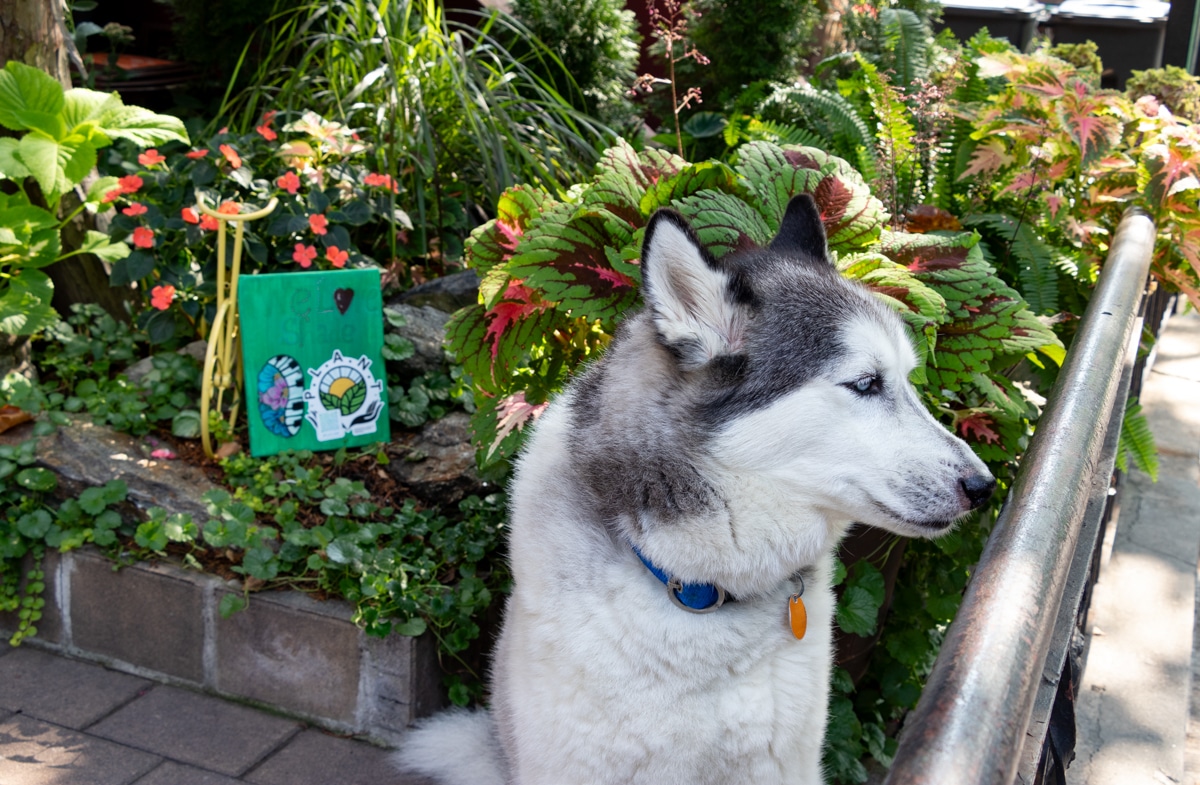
x,y
289,182
143,237
304,255
151,158
336,256
231,155
162,296
382,181
129,184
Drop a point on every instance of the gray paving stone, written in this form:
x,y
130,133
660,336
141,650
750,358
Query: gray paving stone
x,y
66,692
316,758
33,752
198,729
147,615
290,651
172,773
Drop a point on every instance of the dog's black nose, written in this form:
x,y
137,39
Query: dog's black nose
x,y
978,488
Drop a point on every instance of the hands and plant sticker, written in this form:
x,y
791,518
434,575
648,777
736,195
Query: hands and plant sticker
x,y
344,398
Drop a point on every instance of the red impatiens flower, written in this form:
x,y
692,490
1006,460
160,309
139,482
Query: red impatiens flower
x,y
289,182
304,255
229,208
209,223
135,209
143,237
161,297
318,223
190,215
194,154
336,257
382,181
266,133
151,157
130,183
231,156
111,196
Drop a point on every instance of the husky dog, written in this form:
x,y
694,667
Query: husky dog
x,y
680,503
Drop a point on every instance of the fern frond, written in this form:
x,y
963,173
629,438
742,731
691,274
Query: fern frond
x,y
1032,266
894,135
831,117
784,134
1137,442
908,45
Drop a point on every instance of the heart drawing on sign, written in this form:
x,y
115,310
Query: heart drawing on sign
x,y
342,298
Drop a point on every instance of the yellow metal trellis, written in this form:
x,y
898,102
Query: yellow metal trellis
x,y
222,369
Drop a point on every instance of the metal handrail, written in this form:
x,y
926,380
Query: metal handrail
x,y
971,723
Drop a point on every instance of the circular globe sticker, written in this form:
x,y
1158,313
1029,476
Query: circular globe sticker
x,y
344,397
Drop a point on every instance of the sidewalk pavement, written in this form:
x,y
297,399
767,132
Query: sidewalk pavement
x,y
67,722
1143,662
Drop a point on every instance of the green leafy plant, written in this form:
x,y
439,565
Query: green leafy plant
x,y
30,523
1174,88
61,132
557,274
456,116
333,211
596,45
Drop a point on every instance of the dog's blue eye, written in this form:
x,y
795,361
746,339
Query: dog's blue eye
x,y
867,385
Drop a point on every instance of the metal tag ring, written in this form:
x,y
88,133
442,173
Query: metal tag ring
x,y
674,586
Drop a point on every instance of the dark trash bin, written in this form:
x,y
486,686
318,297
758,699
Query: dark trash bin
x,y
1128,35
1016,20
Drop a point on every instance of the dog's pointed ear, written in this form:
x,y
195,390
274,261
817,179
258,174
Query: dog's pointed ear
x,y
802,233
690,296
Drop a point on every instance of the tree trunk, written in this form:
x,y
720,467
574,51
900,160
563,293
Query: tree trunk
x,y
34,32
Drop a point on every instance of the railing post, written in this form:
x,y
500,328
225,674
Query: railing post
x,y
970,724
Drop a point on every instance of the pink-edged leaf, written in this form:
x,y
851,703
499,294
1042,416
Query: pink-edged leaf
x,y
1022,181
511,415
977,426
990,156
1165,164
724,223
694,178
496,241
852,216
1093,131
565,256
624,177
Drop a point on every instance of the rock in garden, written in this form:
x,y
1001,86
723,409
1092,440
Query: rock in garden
x,y
86,455
448,293
425,327
437,464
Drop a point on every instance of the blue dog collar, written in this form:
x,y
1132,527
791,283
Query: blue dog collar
x,y
692,597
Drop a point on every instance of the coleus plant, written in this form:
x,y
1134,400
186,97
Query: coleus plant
x,y
1052,163
557,273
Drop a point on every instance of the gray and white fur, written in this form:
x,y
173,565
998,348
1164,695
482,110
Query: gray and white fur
x,y
737,426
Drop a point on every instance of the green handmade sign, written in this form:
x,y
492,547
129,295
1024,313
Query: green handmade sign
x,y
312,353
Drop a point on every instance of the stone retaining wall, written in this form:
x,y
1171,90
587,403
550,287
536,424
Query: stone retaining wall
x,y
286,651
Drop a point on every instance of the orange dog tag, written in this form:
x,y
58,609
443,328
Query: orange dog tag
x,y
797,616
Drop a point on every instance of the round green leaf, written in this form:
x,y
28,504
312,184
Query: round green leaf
x,y
37,479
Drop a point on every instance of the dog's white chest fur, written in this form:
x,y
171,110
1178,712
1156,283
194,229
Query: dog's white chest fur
x,y
605,680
